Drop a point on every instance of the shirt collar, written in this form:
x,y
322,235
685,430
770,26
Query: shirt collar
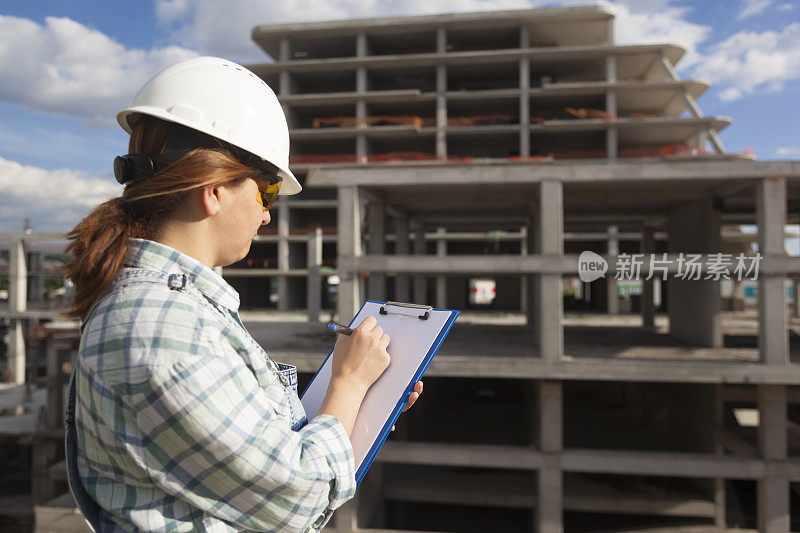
x,y
152,255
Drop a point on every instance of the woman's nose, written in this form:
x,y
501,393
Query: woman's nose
x,y
266,218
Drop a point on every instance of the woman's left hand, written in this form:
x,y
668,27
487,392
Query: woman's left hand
x,y
412,397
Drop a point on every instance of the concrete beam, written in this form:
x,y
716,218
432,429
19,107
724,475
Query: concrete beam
x,y
534,54
626,462
505,173
535,264
629,370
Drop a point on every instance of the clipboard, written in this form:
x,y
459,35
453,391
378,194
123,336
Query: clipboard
x,y
416,332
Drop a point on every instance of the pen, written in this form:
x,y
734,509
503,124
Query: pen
x,y
340,329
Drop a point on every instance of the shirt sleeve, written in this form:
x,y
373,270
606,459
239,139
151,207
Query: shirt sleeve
x,y
210,437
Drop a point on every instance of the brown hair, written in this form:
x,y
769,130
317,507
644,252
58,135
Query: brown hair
x,y
99,243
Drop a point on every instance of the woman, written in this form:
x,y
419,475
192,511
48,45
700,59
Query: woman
x,y
178,420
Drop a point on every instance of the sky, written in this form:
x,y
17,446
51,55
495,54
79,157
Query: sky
x,y
66,68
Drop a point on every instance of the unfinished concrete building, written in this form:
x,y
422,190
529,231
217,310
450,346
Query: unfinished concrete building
x,y
422,136
438,150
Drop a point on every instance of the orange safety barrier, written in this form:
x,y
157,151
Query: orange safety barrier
x,y
380,120
400,156
304,159
482,120
587,112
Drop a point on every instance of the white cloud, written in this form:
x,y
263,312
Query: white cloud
x,y
749,62
753,7
785,7
660,23
54,200
787,151
66,68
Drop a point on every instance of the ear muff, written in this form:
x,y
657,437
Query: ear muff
x,y
133,167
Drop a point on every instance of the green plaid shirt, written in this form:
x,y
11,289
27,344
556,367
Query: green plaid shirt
x,y
182,421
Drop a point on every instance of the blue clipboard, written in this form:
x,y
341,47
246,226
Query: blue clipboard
x,y
387,397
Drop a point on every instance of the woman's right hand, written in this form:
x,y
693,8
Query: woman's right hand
x,y
359,359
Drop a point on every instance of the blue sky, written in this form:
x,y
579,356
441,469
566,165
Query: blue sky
x,y
67,67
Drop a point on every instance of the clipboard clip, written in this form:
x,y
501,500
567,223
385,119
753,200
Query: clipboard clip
x,y
424,316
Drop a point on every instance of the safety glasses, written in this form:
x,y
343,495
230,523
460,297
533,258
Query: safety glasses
x,y
268,187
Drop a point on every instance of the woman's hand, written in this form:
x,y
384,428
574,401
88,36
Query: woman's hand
x,y
412,397
359,359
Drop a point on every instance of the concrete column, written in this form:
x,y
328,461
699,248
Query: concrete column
x,y
420,281
346,516
36,278
285,80
549,507
441,281
376,229
441,96
773,335
612,142
402,283
702,138
648,305
524,94
283,254
362,145
17,303
612,300
533,246
719,449
314,279
550,298
523,282
348,245
694,305
773,489
796,295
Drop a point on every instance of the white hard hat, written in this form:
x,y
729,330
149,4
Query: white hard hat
x,y
221,99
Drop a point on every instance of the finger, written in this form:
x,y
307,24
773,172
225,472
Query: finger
x,y
368,323
384,342
418,387
411,399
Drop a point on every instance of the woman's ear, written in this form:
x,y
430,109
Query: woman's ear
x,y
209,200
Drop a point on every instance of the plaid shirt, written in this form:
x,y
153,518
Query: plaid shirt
x,y
182,421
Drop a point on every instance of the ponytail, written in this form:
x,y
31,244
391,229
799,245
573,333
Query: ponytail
x,y
98,248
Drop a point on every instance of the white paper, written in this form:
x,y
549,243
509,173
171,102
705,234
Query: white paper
x,y
409,343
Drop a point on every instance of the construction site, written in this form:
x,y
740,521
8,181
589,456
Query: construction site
x,y
468,161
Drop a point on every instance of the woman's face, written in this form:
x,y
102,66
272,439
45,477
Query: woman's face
x,y
241,216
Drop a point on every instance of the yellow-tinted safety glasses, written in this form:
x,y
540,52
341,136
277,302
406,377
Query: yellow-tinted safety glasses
x,y
268,187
